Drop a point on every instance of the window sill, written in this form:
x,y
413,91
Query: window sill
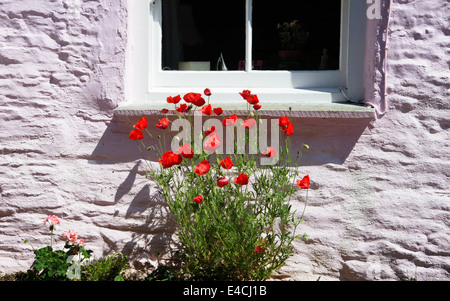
x,y
271,109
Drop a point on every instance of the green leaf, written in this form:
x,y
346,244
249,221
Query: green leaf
x,y
38,265
118,278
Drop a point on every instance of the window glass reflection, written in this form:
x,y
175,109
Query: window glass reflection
x,y
203,34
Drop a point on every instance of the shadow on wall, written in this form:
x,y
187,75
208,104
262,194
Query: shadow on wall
x,y
331,141
156,234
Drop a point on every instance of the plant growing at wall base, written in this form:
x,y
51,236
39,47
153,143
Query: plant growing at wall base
x,y
109,268
235,218
58,265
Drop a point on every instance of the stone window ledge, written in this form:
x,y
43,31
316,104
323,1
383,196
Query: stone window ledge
x,y
316,110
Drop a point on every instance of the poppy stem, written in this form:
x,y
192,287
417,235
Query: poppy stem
x,y
304,209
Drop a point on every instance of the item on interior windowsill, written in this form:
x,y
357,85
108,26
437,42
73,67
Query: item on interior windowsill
x,y
324,60
292,39
291,35
256,65
220,65
196,66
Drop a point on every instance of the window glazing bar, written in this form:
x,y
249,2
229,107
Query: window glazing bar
x,y
248,35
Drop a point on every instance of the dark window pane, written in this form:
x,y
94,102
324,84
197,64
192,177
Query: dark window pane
x,y
196,32
319,19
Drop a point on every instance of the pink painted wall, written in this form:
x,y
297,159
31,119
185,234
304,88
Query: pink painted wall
x,y
379,204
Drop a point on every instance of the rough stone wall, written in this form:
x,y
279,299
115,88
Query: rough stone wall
x,y
379,202
384,213
61,75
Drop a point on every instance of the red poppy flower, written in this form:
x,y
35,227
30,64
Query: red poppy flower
x,y
202,168
189,97
258,249
183,108
283,121
226,163
164,111
186,151
289,129
257,107
249,123
210,130
136,134
198,199
222,181
286,126
194,98
242,179
230,121
218,111
199,102
271,152
170,159
303,183
141,124
207,92
246,94
206,110
175,99
163,123
253,99
212,143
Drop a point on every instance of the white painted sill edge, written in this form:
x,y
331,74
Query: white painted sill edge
x,y
275,109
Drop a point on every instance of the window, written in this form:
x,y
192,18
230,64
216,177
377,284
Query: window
x,y
186,45
291,35
196,32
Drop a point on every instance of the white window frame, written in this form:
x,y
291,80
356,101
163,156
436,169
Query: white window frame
x,y
147,82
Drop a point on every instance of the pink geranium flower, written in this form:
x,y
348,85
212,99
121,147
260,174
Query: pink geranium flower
x,y
79,242
71,236
52,220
